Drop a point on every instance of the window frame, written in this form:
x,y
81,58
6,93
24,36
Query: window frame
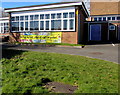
x,y
50,19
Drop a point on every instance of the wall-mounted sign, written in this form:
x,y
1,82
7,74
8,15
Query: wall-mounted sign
x,y
42,37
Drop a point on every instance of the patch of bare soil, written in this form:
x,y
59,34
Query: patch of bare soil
x,y
58,87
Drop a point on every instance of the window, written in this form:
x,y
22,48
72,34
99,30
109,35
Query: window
x,y
36,26
109,18
26,25
71,14
21,25
56,25
65,15
118,18
46,21
2,29
113,18
17,18
13,19
100,19
95,19
6,29
31,17
21,17
58,15
71,24
41,25
36,17
1,24
64,24
104,18
31,25
47,16
42,16
52,16
26,17
112,27
15,26
47,25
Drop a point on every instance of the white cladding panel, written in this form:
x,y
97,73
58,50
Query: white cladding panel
x,y
44,7
4,21
45,11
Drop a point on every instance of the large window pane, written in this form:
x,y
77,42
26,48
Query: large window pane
x,y
56,25
31,17
41,25
42,16
71,15
47,25
21,17
100,18
118,18
95,19
26,25
17,18
13,19
21,25
47,16
52,16
65,15
26,17
104,18
15,26
58,15
113,18
2,29
36,17
31,25
71,24
65,24
109,18
5,27
36,26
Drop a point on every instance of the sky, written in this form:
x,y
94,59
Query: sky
x,y
19,3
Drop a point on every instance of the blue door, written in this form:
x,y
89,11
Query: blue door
x,y
95,32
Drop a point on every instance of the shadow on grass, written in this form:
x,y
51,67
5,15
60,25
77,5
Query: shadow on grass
x,y
9,53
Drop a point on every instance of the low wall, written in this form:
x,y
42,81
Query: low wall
x,y
45,37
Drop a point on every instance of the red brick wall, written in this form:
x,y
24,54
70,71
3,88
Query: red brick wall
x,y
69,37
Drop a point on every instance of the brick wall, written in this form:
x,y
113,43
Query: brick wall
x,y
69,37
103,8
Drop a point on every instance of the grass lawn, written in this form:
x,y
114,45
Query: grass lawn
x,y
24,71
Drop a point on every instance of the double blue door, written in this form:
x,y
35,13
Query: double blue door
x,y
95,32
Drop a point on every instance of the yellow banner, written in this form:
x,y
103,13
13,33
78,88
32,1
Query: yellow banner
x,y
43,37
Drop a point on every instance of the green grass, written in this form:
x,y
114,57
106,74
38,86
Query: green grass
x,y
66,44
24,72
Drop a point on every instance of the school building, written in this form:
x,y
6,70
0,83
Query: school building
x,y
65,22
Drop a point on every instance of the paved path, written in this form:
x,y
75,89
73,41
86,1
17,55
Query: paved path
x,y
104,52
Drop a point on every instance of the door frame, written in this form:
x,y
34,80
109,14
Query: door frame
x,y
90,31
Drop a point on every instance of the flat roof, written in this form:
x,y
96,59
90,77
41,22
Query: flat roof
x,y
47,6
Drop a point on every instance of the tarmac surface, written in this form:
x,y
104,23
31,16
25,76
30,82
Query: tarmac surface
x,y
109,52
